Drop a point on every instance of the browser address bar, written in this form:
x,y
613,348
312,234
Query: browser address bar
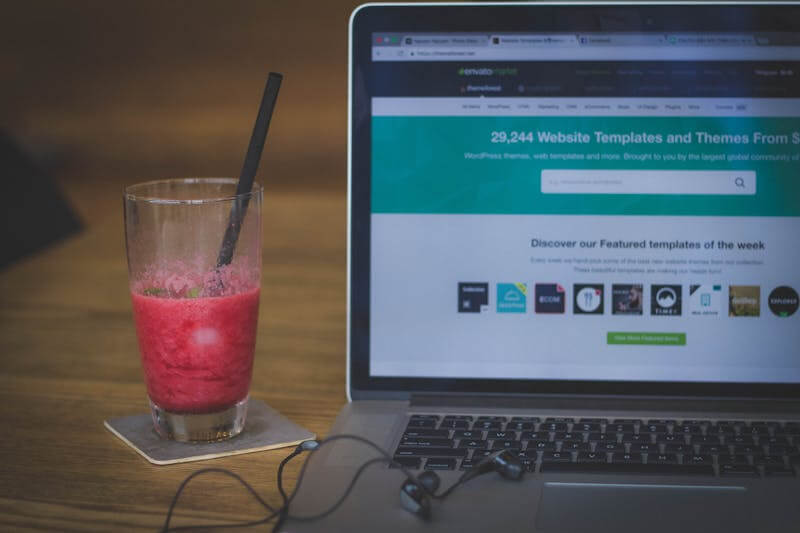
x,y
725,182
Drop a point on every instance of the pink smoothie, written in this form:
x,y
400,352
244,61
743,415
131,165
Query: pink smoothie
x,y
197,353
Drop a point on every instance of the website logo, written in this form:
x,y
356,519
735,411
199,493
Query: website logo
x,y
744,300
487,71
705,300
550,298
665,300
783,301
473,297
627,299
511,297
588,299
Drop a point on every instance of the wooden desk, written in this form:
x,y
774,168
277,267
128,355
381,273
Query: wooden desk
x,y
69,360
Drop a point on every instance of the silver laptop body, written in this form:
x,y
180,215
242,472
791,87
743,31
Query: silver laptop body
x,y
573,234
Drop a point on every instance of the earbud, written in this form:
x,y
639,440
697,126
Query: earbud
x,y
414,498
415,494
430,481
504,462
307,446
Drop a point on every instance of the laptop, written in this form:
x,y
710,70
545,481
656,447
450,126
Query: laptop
x,y
573,235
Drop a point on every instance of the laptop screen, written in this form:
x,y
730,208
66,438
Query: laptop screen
x,y
601,205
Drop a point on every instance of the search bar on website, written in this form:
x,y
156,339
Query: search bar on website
x,y
725,182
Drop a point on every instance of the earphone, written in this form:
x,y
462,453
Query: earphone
x,y
416,492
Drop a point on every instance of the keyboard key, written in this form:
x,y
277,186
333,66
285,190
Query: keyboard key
x,y
671,438
468,434
426,441
765,423
721,430
654,428
424,417
534,419
643,447
519,426
506,445
422,423
592,457
455,424
632,468
755,430
698,459
688,429
777,439
792,428
594,421
740,439
427,432
769,460
558,420
492,418
733,459
777,449
467,464
534,435
636,438
703,439
602,437
472,443
662,459
553,426
737,470
627,458
439,463
430,452
574,446
696,422
630,421
569,437
586,427
714,449
620,428
747,449
541,445
609,447
661,421
458,417
556,457
506,435
683,448
487,425
408,462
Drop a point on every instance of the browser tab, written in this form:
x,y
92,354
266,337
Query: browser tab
x,y
445,40
530,40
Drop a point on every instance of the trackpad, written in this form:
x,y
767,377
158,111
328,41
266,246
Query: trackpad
x,y
597,507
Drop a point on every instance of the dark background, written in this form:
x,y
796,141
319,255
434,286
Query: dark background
x,y
99,95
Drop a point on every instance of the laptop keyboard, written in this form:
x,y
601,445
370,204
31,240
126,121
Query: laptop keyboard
x,y
598,445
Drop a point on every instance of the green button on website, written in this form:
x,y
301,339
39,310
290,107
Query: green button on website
x,y
661,339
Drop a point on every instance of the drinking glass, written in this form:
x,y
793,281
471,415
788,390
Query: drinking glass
x,y
194,264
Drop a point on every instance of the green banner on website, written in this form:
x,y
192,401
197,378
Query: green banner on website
x,y
743,166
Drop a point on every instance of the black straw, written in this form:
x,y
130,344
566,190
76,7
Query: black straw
x,y
249,168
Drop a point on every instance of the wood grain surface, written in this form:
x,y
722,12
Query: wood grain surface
x,y
106,94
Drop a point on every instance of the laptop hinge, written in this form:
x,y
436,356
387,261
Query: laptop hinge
x,y
604,403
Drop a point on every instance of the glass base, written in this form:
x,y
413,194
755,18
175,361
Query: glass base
x,y
206,427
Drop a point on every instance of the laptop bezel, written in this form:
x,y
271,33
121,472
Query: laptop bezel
x,y
508,17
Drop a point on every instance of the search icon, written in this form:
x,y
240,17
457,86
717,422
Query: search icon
x,y
739,182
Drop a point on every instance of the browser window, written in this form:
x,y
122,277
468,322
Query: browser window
x,y
585,206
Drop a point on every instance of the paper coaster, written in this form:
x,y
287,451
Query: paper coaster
x,y
265,429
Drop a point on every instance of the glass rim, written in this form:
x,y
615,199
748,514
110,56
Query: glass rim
x,y
130,193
